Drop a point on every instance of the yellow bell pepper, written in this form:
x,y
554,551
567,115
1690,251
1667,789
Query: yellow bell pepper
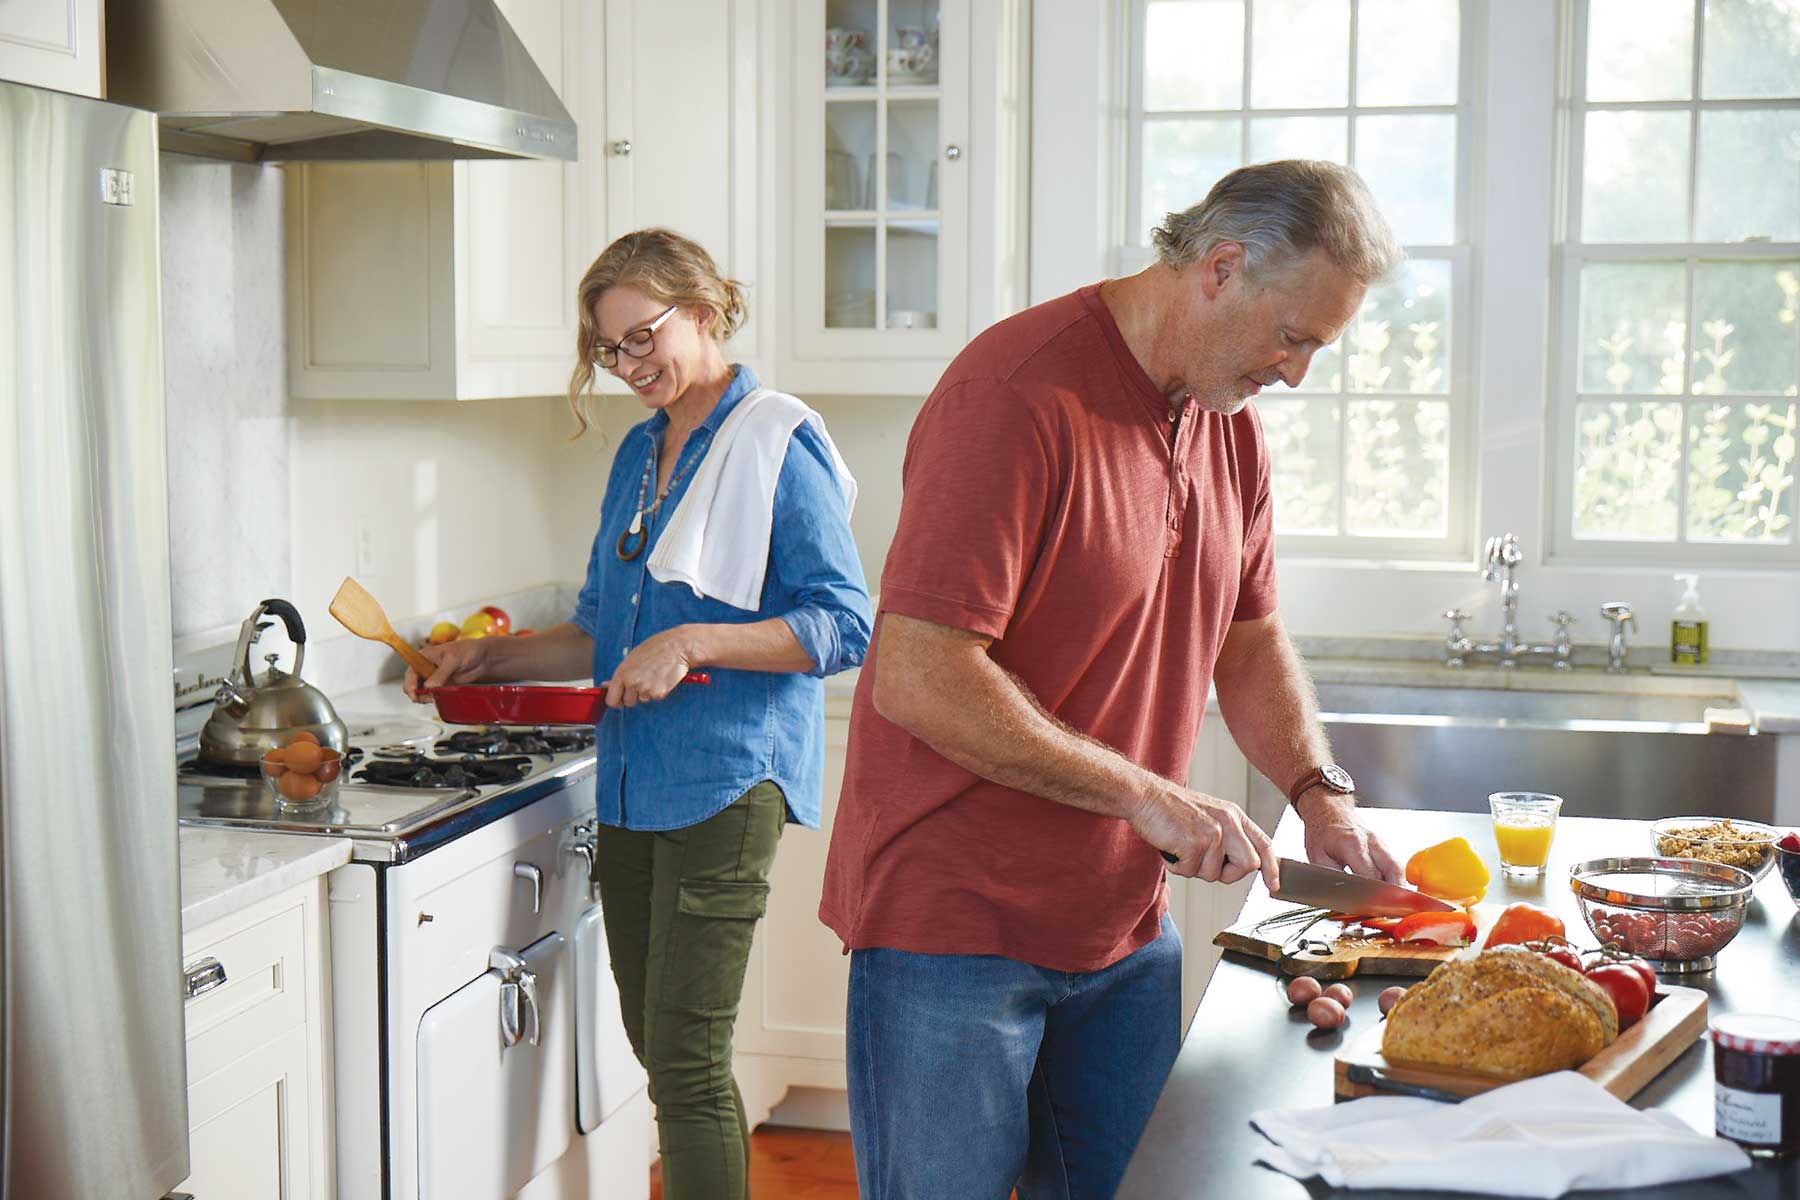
x,y
1450,871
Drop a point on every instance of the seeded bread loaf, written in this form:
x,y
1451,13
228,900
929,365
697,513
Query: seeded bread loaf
x,y
1510,1013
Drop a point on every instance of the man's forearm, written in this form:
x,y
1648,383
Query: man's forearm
x,y
1266,697
967,708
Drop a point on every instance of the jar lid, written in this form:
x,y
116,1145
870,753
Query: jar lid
x,y
1757,1033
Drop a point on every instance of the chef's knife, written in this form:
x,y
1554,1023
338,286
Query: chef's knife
x,y
1342,892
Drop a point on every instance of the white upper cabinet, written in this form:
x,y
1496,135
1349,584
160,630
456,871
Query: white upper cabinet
x,y
433,281
903,175
53,44
444,281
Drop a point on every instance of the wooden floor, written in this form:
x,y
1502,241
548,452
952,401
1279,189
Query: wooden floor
x,y
794,1164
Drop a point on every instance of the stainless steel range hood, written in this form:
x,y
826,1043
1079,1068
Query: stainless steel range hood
x,y
307,80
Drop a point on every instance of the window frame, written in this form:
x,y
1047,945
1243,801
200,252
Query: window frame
x,y
1571,254
1457,542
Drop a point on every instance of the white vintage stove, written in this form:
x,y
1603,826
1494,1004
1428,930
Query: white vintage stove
x,y
478,1049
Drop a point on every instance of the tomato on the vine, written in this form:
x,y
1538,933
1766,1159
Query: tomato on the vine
x,y
1625,987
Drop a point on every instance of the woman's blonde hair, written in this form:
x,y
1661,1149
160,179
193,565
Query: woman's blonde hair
x,y
668,268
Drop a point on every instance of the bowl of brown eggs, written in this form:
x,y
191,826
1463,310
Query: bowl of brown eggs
x,y
302,774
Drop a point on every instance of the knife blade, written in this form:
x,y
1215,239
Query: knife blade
x,y
1340,891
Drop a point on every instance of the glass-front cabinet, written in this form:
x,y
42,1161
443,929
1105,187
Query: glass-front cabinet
x,y
881,162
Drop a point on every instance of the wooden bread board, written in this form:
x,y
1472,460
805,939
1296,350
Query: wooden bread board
x,y
1347,957
1637,1056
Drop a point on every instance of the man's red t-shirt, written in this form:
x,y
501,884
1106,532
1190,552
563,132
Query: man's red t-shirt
x,y
1052,504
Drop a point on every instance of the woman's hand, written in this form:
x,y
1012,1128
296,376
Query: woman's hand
x,y
462,661
653,669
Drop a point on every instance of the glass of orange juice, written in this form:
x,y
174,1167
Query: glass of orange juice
x,y
1524,825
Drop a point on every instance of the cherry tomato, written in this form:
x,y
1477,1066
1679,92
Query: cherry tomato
x,y
1625,987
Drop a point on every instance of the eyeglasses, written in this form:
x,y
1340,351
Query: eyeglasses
x,y
637,344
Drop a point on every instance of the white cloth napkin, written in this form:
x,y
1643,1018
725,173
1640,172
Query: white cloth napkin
x,y
1539,1137
717,541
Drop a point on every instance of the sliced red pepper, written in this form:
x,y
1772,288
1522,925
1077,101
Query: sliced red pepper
x,y
1384,924
1443,928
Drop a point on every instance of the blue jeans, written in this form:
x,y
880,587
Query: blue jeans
x,y
972,1074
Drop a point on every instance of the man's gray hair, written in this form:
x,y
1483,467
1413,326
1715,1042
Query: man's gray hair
x,y
1279,212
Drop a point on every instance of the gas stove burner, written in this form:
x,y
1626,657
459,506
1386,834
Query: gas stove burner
x,y
468,771
195,768
545,741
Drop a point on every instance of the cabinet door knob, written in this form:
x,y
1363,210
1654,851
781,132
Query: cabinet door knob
x,y
952,152
621,148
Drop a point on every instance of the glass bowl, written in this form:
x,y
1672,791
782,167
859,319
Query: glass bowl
x,y
1676,913
1788,863
312,784
1746,845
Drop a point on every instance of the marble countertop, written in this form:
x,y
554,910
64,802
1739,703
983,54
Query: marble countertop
x,y
226,870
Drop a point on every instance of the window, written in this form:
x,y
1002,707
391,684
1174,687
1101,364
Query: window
x,y
1680,287
1370,455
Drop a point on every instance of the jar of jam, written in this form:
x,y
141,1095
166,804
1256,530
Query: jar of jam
x,y
1756,1082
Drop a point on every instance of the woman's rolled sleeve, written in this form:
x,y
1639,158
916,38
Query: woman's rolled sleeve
x,y
813,559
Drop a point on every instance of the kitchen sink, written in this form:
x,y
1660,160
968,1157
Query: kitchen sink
x,y
1607,753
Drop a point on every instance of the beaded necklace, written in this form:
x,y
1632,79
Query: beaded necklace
x,y
631,542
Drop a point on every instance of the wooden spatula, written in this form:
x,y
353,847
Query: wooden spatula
x,y
359,612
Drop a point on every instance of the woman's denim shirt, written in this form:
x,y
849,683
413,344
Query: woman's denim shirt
x,y
675,762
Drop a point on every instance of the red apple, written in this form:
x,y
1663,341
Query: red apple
x,y
502,622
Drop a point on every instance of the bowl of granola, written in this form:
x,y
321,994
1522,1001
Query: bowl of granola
x,y
1746,845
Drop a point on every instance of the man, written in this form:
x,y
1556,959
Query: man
x,y
1084,543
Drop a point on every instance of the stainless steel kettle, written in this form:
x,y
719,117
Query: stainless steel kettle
x,y
250,718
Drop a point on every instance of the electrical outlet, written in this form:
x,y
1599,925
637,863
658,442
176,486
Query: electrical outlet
x,y
365,549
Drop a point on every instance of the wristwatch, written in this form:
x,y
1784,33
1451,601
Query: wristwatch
x,y
1330,776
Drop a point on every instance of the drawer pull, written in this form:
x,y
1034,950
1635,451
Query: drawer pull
x,y
534,875
204,976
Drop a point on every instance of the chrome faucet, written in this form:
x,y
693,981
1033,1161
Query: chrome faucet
x,y
1500,565
1620,614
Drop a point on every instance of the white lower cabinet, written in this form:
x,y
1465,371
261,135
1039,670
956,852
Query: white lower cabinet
x,y
257,1048
790,1030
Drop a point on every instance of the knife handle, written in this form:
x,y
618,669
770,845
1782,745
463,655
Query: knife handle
x,y
1167,857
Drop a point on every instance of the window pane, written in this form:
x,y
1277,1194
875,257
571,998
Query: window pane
x,y
1396,460
1627,458
850,278
1741,472
1303,463
1400,341
1300,54
1640,49
1752,49
1193,54
1299,137
1182,160
1749,177
1634,177
1406,52
1744,328
1633,327
1410,165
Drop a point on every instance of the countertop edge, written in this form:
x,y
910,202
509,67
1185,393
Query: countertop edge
x,y
224,871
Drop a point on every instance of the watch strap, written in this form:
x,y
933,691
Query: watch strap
x,y
1313,778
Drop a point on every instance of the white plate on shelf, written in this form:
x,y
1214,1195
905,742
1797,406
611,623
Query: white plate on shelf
x,y
911,78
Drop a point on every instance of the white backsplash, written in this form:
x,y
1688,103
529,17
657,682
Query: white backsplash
x,y
225,385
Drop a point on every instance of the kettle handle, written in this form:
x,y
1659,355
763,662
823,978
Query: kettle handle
x,y
296,631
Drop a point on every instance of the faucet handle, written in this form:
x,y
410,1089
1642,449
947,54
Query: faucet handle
x,y
1455,614
1619,612
1562,617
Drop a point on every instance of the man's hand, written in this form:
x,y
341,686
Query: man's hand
x,y
1212,839
1335,838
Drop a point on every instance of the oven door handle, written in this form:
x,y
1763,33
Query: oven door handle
x,y
518,997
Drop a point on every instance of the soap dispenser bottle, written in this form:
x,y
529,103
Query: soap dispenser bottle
x,y
1687,632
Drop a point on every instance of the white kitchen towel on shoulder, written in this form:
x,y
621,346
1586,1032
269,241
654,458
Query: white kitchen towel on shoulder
x,y
717,541
1544,1137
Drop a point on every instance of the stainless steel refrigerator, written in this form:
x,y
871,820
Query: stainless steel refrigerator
x,y
94,1095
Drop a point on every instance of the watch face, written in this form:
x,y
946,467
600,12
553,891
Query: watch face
x,y
1338,778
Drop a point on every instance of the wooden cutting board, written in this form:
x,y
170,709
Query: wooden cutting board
x,y
1346,956
1636,1056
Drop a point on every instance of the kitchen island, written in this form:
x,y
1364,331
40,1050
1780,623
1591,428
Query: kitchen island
x,y
1246,1050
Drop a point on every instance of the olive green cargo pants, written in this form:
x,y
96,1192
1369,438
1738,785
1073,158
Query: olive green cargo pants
x,y
680,908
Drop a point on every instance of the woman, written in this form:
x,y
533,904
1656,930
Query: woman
x,y
724,548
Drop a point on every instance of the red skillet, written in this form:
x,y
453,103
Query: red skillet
x,y
513,704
